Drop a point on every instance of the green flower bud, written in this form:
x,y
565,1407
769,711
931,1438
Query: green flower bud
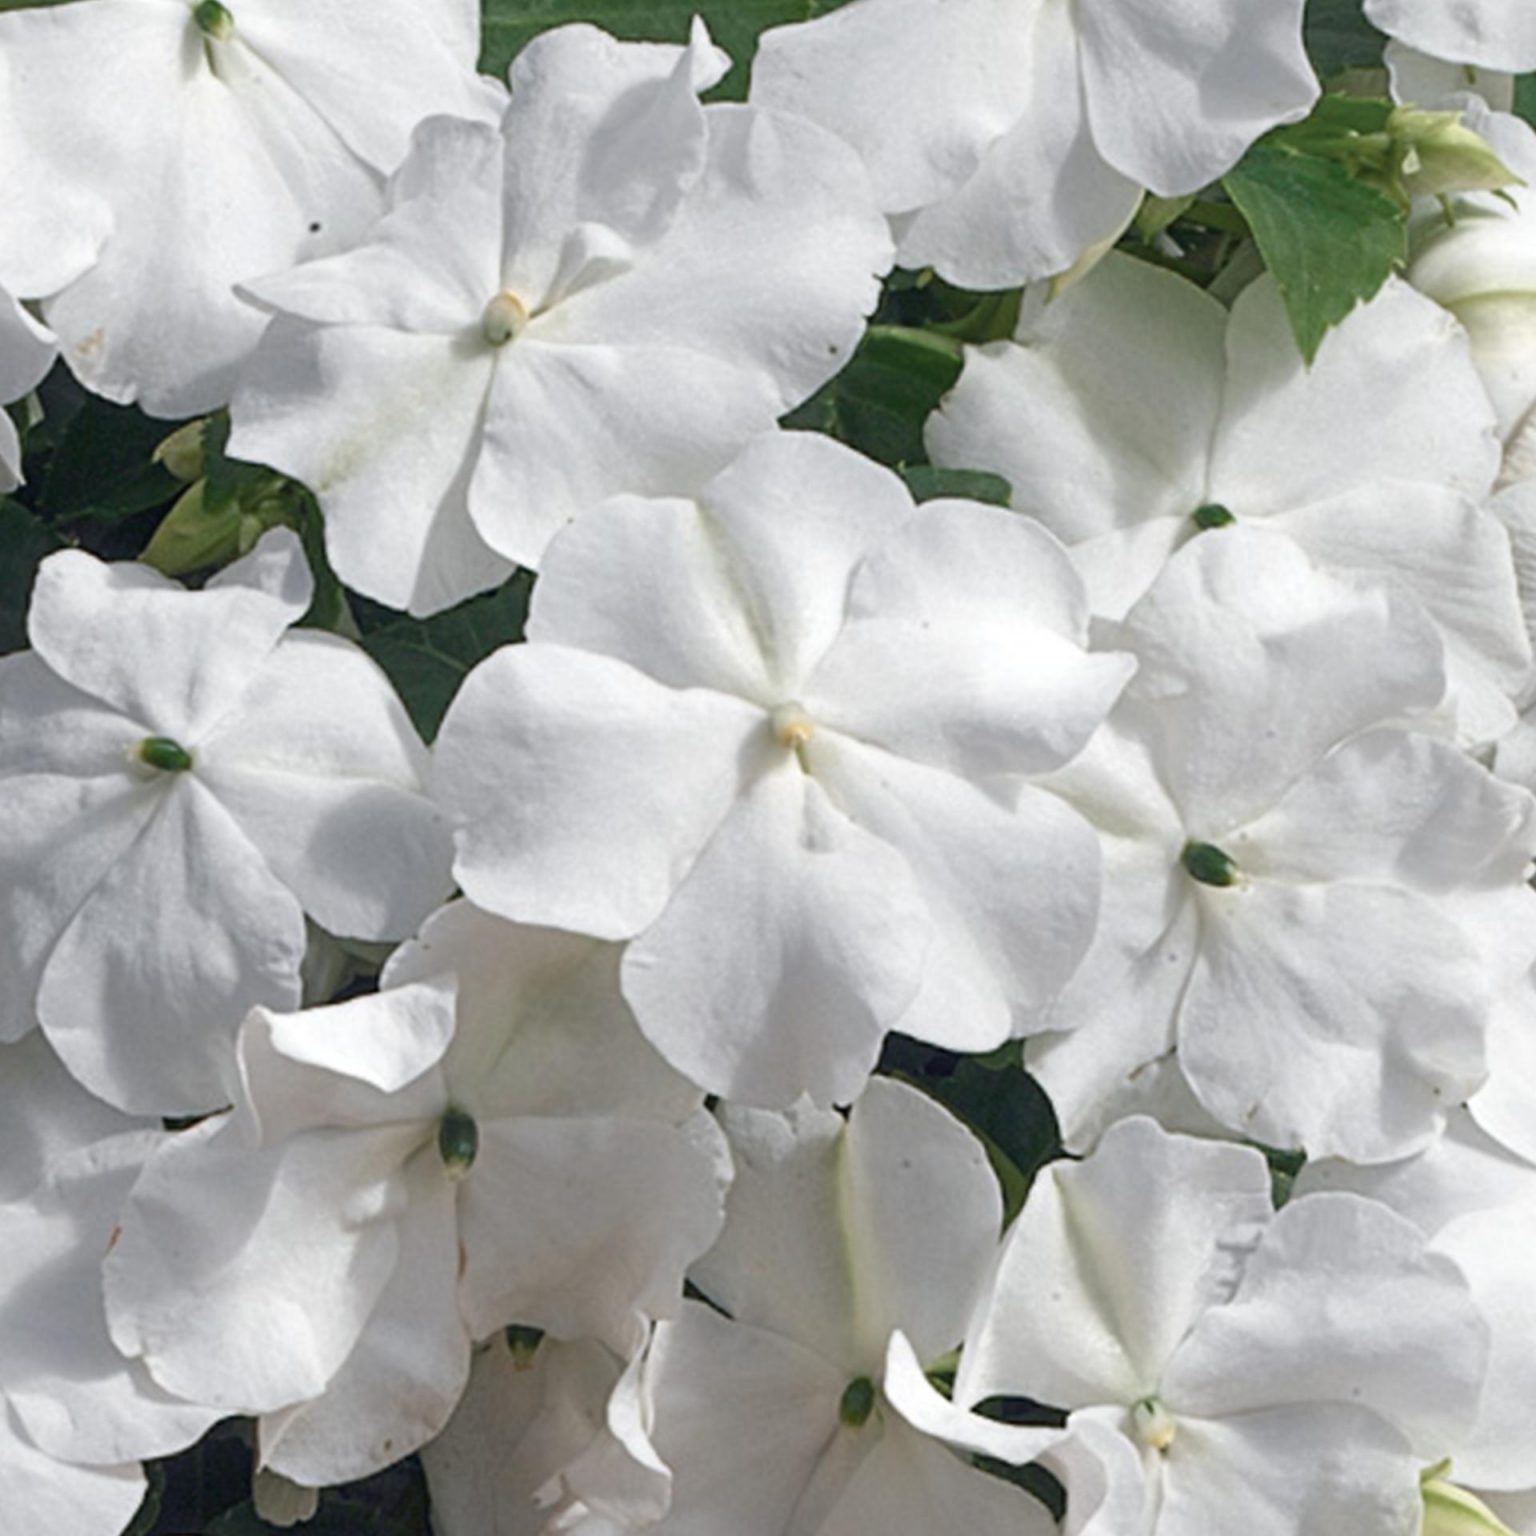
x,y
1206,863
215,20
458,1141
1441,155
182,453
858,1402
163,753
1452,1511
1211,515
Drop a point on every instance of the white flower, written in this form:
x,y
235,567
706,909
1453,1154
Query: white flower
x,y
27,351
1005,137
846,1242
778,737
393,1186
1494,34
1476,1203
194,146
552,1441
1272,1373
610,295
182,781
1320,912
1133,410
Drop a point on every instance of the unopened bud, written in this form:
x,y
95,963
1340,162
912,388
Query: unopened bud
x,y
1441,155
182,452
1452,1511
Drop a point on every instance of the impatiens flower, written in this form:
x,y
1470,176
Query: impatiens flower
x,y
196,145
779,737
1276,1374
1495,34
845,1242
1321,913
1132,412
549,1436
403,1176
1007,136
181,780
27,351
609,295
1476,1203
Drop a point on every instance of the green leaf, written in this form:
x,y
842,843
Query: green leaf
x,y
103,471
1330,240
426,659
1339,37
24,540
506,25
928,483
143,1523
879,402
1525,98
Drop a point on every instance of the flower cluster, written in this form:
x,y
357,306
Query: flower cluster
x,y
625,1100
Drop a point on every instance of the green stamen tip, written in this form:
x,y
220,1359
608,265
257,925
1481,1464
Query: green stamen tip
x,y
214,19
858,1402
166,755
523,1342
1206,863
1211,515
458,1141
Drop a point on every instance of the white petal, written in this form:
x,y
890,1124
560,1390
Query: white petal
x,y
1291,435
1500,36
1241,633
1010,880
1403,1338
406,1373
1099,1282
584,791
742,1417
1284,1470
187,931
325,774
1042,194
582,1227
989,617
1099,412
542,1027
244,1277
78,1397
568,425
49,1495
345,410
175,661
27,350
1176,96
793,944
918,89
1288,1034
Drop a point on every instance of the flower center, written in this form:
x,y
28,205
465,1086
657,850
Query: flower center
x,y
163,753
458,1141
858,1402
1155,1427
1207,863
503,318
791,726
215,20
1211,515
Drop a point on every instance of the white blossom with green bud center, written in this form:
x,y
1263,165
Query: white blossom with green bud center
x,y
967,112
852,1255
227,142
1124,451
1152,1292
1315,922
177,770
781,736
487,1141
645,305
